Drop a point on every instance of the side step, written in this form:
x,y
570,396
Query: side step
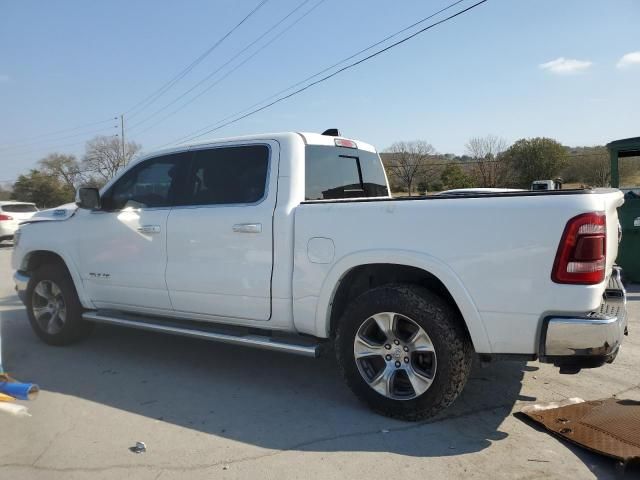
x,y
217,333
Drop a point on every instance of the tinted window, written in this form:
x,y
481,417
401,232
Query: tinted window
x,y
229,175
154,183
18,208
334,172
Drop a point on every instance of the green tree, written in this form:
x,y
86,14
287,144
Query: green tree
x,y
44,190
453,176
5,194
536,159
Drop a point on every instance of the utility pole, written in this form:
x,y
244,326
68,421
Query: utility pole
x,y
122,135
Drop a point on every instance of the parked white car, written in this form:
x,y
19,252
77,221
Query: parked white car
x,y
11,214
291,242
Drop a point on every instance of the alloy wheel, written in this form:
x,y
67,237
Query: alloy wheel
x,y
395,356
48,307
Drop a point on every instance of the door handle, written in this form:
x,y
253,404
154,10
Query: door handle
x,y
149,229
247,228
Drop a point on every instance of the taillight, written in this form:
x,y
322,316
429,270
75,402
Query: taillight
x,y
343,142
581,257
5,217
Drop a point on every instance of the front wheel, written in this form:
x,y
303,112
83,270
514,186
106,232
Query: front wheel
x,y
53,307
403,351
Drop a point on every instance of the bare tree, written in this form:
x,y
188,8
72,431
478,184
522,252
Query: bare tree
x,y
104,157
489,167
63,167
408,161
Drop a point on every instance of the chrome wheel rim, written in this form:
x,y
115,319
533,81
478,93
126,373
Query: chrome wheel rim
x,y
395,356
48,307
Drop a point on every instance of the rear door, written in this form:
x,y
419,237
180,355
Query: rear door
x,y
220,242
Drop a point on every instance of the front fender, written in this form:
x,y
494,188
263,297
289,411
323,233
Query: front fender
x,y
31,244
429,264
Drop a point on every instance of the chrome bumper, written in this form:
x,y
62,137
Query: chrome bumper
x,y
21,280
590,340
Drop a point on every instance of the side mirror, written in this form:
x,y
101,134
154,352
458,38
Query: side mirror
x,y
88,198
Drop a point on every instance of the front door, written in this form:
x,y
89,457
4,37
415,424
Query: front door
x,y
219,244
123,249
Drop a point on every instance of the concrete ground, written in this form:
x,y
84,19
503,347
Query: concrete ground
x,y
206,410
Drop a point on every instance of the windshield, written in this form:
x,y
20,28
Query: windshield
x,y
336,172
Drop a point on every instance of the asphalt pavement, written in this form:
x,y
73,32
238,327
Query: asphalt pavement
x,y
207,410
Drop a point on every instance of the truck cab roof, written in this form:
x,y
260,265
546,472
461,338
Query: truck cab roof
x,y
309,138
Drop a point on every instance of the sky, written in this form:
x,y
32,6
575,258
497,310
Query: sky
x,y
567,69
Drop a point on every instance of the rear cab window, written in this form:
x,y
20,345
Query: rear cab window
x,y
229,175
18,208
339,173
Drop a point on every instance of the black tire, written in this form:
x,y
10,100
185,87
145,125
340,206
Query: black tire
x,y
442,324
74,327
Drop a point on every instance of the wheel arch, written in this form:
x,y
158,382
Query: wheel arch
x,y
359,272
35,258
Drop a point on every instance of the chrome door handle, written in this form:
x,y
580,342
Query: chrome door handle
x,y
247,228
149,229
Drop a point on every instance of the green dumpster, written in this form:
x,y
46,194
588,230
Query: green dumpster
x,y
625,175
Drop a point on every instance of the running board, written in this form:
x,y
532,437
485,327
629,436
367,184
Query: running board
x,y
231,335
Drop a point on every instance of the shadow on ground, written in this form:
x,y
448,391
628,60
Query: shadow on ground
x,y
267,399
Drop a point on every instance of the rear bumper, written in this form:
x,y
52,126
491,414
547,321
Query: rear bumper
x,y
8,229
21,280
572,342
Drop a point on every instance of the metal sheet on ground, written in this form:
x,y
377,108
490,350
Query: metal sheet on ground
x,y
610,427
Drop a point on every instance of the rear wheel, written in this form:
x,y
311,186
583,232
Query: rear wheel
x,y
403,351
53,307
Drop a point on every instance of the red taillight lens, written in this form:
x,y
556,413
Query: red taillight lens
x,y
343,142
581,257
5,217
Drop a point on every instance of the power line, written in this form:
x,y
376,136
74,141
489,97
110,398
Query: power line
x,y
49,149
387,38
159,92
31,139
142,105
47,140
347,67
209,76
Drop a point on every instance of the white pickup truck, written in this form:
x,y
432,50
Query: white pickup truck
x,y
291,242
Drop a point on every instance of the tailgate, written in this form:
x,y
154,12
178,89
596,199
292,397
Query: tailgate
x,y
612,200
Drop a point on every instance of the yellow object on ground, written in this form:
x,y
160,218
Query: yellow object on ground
x,y
6,398
15,409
